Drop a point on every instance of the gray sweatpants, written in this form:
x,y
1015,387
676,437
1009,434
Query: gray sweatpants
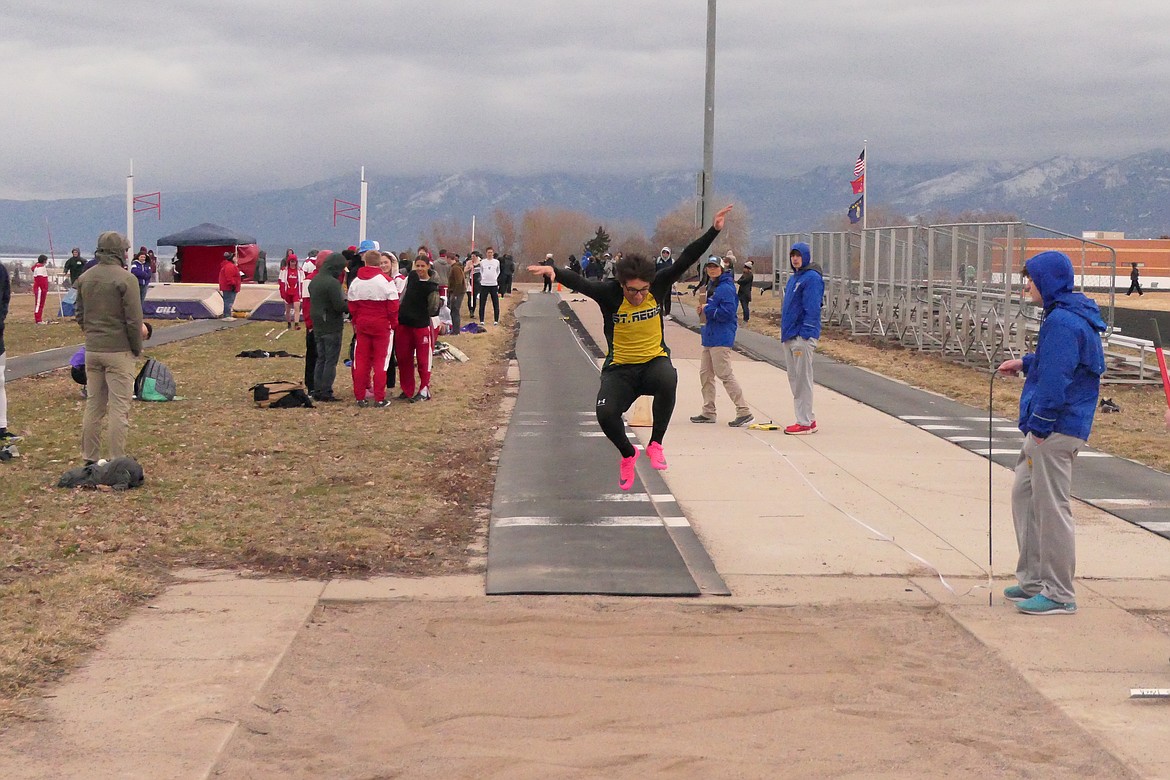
x,y
798,357
1045,531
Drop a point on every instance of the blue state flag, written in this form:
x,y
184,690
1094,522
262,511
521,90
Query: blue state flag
x,y
856,210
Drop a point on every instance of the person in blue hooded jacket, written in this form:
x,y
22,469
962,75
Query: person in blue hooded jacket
x,y
1061,387
800,330
721,321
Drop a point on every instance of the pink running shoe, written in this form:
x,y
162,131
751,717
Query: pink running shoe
x,y
626,471
656,455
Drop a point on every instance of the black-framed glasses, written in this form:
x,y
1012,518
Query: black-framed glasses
x,y
636,290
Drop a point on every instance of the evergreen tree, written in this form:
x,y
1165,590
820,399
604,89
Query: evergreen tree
x,y
599,244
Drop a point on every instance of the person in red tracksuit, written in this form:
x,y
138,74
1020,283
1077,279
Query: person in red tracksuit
x,y
414,337
373,308
40,272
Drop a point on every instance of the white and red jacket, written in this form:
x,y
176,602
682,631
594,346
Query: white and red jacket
x,y
310,271
290,280
373,301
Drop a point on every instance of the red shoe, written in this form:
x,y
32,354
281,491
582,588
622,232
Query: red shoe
x,y
796,429
626,471
656,455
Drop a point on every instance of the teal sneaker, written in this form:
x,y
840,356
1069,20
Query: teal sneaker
x,y
1042,605
1016,593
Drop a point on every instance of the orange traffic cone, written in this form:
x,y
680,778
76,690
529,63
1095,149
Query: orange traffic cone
x,y
558,286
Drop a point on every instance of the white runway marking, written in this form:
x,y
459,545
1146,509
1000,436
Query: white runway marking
x,y
634,521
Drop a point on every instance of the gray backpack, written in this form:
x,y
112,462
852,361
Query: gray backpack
x,y
155,382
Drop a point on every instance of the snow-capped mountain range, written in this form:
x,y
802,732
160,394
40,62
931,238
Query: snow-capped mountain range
x,y
1063,193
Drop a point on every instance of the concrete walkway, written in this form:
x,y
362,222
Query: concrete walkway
x,y
872,509
52,359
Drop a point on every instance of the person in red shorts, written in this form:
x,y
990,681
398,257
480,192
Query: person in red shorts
x,y
290,291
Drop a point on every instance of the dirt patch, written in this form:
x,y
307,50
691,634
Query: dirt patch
x,y
554,688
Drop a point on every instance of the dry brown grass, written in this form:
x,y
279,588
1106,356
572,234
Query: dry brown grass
x,y
1138,432
22,336
1151,301
334,490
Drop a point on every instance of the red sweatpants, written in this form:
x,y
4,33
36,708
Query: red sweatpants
x,y
370,354
413,345
40,295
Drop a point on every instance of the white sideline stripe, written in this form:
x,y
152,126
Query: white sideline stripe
x,y
676,522
1159,526
927,417
624,497
1094,455
943,427
662,498
1123,501
997,452
586,434
629,521
958,439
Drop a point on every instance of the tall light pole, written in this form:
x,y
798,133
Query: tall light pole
x,y
706,210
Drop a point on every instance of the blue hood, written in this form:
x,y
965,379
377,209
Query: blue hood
x,y
805,252
1052,274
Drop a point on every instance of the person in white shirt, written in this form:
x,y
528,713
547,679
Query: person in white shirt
x,y
489,285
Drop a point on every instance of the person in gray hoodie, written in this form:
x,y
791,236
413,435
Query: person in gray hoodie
x,y
109,311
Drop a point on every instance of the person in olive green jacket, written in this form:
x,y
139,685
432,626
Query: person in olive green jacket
x,y
329,307
109,311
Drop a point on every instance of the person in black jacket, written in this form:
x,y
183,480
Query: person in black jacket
x,y
637,361
745,289
414,336
1134,285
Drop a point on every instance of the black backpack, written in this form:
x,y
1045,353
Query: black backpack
x,y
280,395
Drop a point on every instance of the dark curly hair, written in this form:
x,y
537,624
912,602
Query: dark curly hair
x,y
634,267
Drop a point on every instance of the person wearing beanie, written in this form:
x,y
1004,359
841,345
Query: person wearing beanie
x,y
74,266
40,273
290,290
548,280
109,312
718,315
373,308
1061,388
800,330
745,288
637,361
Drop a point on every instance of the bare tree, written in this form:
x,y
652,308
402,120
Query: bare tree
x,y
630,238
450,234
677,229
505,233
559,231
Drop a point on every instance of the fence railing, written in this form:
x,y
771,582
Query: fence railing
x,y
953,289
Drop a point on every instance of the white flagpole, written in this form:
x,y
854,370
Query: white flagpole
x,y
362,208
865,185
130,207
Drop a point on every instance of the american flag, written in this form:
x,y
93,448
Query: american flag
x,y
859,166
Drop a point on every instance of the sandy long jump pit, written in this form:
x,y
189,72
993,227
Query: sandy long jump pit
x,y
590,687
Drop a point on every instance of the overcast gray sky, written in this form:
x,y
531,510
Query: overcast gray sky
x,y
271,93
